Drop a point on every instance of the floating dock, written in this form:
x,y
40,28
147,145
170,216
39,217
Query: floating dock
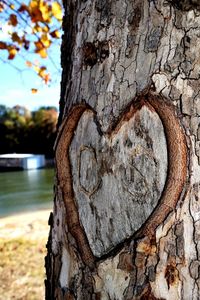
x,y
22,161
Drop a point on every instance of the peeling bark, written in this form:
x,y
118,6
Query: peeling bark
x,y
126,212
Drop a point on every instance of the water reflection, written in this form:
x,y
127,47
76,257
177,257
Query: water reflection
x,y
25,191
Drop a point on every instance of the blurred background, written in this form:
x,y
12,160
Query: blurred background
x,y
30,73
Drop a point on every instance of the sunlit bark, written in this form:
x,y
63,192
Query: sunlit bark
x,y
126,213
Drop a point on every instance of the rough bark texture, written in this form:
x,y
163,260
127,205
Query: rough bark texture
x,y
126,212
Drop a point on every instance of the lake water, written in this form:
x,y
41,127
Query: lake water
x,y
23,191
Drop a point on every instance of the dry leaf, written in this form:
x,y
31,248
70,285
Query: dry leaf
x,y
29,64
16,38
55,34
13,20
1,7
57,11
3,46
34,91
42,53
45,40
23,8
12,52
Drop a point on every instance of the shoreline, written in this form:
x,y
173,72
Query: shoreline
x,y
26,213
23,239
29,225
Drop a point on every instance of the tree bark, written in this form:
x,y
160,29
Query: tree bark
x,y
126,217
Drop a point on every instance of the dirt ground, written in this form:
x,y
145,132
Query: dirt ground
x,y
22,250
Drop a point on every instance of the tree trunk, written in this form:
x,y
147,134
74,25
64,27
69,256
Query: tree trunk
x,y
126,216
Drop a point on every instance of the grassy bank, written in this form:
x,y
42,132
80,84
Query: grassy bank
x,y
22,250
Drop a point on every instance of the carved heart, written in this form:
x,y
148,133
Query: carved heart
x,y
116,179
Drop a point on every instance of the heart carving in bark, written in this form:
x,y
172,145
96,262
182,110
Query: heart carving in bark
x,y
123,182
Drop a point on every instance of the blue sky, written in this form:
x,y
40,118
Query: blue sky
x,y
15,85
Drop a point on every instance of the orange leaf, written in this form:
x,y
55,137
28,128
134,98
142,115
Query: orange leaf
x,y
34,91
3,46
12,53
55,34
1,7
42,73
45,28
44,9
36,16
46,78
42,52
33,4
34,11
23,8
40,49
29,64
57,11
13,20
45,40
39,45
37,28
43,68
16,38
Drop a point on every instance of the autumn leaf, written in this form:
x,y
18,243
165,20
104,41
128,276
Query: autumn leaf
x,y
13,20
34,91
43,68
57,11
46,78
1,7
45,28
39,45
34,11
36,68
43,53
12,52
23,8
45,40
55,34
44,9
16,38
36,15
43,74
33,4
41,48
37,28
29,64
3,46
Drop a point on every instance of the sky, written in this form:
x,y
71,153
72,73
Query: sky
x,y
17,80
15,87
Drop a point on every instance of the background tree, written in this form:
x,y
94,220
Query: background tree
x,y
25,132
44,130
126,221
29,30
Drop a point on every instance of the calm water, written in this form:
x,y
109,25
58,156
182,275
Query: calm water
x,y
25,191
